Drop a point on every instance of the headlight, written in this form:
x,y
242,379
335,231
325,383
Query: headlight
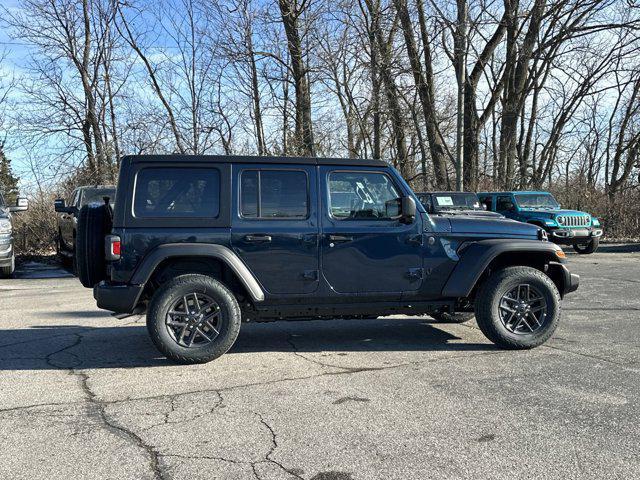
x,y
5,225
595,222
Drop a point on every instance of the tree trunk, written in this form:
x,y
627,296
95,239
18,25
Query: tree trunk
x,y
304,130
425,88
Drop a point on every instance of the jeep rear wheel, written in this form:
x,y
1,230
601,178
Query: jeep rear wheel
x,y
586,248
193,319
518,307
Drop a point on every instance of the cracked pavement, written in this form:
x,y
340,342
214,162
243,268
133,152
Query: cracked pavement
x,y
85,395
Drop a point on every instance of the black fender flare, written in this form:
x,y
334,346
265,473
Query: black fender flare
x,y
220,252
476,257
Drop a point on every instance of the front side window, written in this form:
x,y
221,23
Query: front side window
x,y
274,194
177,192
362,196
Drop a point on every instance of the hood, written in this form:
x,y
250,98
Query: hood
x,y
550,212
491,226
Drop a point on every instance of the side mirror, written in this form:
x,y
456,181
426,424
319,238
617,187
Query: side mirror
x,y
510,206
408,209
393,208
22,204
59,205
484,206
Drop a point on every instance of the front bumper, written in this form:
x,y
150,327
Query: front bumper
x,y
6,250
566,281
570,236
117,298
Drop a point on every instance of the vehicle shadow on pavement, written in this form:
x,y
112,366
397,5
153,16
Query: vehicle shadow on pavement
x,y
129,346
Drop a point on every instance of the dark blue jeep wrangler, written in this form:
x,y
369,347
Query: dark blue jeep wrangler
x,y
201,243
566,227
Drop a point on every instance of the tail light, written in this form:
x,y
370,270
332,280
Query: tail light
x,y
113,248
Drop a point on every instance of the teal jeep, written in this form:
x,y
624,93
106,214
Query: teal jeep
x,y
567,227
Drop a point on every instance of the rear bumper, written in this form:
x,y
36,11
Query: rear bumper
x,y
569,236
117,298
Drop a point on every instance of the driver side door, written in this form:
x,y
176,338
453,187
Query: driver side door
x,y
365,248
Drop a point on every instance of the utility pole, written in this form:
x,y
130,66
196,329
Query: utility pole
x,y
460,54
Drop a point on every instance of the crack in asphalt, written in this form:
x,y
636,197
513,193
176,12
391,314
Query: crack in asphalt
x,y
268,458
346,371
274,446
97,408
573,352
172,409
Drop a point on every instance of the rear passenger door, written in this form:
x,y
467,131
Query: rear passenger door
x,y
365,249
275,225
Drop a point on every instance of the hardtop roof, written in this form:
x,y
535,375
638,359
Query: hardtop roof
x,y
356,162
510,192
445,192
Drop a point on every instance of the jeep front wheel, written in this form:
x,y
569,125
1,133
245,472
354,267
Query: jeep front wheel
x,y
193,319
586,248
518,307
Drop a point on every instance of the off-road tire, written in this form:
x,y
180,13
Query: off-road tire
x,y
94,223
457,317
590,247
6,272
488,300
178,287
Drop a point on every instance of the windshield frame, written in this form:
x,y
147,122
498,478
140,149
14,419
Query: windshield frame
x,y
518,196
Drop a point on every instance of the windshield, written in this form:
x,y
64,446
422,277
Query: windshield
x,y
95,195
456,201
536,200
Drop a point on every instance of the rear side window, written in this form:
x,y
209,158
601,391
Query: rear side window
x,y
177,192
274,194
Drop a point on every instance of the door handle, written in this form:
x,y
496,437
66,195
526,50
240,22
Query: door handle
x,y
257,238
340,238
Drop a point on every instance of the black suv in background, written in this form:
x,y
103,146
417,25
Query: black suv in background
x,y
7,254
202,243
68,218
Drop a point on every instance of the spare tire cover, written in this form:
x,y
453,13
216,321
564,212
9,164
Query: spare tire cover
x,y
94,222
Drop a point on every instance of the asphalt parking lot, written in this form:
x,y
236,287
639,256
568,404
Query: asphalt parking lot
x,y
85,395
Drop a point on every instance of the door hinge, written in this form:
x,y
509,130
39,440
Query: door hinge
x,y
415,239
310,275
415,274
